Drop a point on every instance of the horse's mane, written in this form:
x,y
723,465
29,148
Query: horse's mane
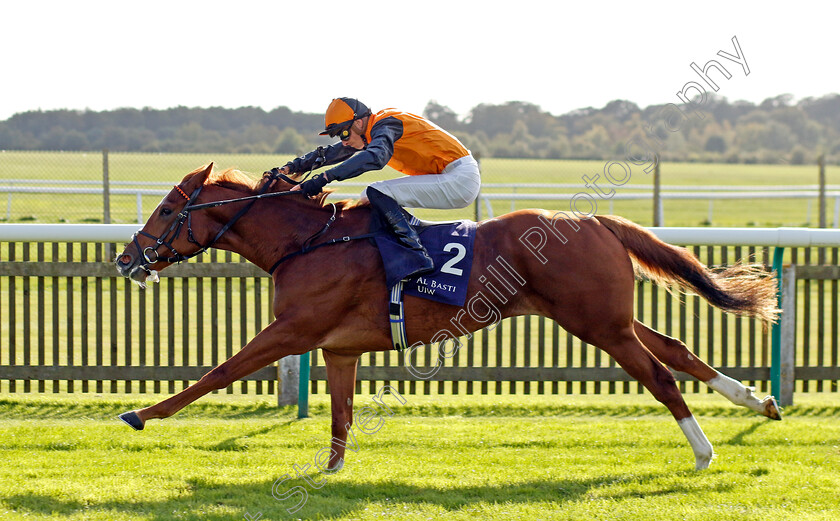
x,y
242,182
235,180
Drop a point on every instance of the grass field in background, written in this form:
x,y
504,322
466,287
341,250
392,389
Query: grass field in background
x,y
470,458
170,168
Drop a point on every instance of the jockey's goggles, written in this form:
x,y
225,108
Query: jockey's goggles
x,y
340,130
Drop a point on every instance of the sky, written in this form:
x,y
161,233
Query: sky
x,y
560,56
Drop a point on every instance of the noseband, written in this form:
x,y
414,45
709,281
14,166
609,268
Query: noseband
x,y
150,253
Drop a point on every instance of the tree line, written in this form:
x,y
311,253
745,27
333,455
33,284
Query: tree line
x,y
775,130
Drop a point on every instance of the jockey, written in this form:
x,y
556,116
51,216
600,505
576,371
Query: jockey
x,y
441,172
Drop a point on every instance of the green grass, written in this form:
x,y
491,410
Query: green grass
x,y
170,168
752,212
459,458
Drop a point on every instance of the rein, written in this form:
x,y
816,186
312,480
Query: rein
x,y
185,216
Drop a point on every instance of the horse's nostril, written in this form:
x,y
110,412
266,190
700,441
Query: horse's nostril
x,y
124,260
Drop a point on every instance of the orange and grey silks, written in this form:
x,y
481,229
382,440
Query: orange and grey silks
x,y
408,143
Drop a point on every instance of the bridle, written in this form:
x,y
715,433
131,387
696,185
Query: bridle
x,y
150,253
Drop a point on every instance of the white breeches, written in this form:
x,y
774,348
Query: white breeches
x,y
456,187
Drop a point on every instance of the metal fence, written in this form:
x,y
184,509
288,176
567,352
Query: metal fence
x,y
482,207
114,187
69,323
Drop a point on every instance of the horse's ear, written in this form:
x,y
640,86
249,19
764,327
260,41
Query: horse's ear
x,y
206,173
199,176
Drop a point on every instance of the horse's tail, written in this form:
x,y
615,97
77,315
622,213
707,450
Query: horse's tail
x,y
746,289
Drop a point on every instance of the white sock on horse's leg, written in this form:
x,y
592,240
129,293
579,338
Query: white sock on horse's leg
x,y
703,451
739,394
736,392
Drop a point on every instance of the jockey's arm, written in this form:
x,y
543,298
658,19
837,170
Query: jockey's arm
x,y
374,156
324,156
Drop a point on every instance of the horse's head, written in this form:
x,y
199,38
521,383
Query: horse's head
x,y
167,236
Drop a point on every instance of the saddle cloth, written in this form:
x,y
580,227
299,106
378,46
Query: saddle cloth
x,y
450,245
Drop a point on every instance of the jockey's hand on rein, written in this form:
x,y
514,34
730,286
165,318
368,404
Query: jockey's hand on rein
x,y
314,185
277,171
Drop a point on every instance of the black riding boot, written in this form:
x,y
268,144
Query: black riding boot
x,y
392,214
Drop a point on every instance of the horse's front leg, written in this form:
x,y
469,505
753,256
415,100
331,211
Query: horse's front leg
x,y
341,375
272,343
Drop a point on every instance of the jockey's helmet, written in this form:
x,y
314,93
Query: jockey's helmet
x,y
341,113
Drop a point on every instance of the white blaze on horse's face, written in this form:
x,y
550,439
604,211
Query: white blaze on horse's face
x,y
140,277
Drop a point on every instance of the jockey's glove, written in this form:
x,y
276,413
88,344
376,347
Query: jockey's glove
x,y
314,185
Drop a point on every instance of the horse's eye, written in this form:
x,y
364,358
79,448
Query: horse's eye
x,y
165,211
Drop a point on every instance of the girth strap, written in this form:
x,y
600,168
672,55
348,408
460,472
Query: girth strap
x,y
396,314
309,248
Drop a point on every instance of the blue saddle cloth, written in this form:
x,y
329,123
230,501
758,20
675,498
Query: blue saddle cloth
x,y
450,245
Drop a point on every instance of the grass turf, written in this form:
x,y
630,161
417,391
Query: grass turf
x,y
570,457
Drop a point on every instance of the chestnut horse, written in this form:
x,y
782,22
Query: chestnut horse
x,y
578,272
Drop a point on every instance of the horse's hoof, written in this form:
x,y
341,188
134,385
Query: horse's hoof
x,y
132,420
771,408
703,462
338,466
703,458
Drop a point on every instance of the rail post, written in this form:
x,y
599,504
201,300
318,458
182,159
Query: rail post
x,y
822,205
787,335
288,377
303,387
658,209
776,330
106,188
822,201
106,203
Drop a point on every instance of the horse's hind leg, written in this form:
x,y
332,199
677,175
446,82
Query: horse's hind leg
x,y
674,354
341,375
626,348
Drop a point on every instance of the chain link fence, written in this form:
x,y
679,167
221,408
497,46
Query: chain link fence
x,y
124,187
